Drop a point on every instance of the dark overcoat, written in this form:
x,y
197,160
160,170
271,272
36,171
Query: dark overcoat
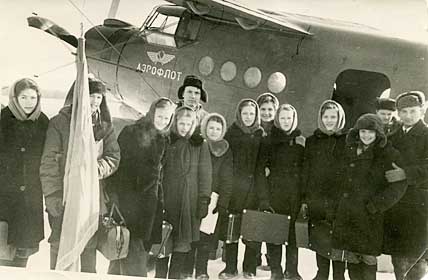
x,y
406,224
21,200
249,186
187,183
364,197
138,180
285,162
222,174
322,162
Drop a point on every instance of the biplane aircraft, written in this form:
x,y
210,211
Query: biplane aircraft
x,y
242,52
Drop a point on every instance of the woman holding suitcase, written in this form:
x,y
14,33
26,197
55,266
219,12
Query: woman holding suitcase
x,y
284,150
249,187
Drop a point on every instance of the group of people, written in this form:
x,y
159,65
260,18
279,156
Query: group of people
x,y
366,186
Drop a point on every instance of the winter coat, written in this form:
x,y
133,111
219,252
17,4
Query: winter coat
x,y
21,200
187,184
55,153
364,197
222,184
138,181
285,161
322,162
406,224
249,181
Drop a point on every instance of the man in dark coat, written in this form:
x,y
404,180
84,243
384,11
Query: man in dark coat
x,y
137,184
385,109
406,224
190,94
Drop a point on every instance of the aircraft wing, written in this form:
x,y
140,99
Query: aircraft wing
x,y
248,18
52,28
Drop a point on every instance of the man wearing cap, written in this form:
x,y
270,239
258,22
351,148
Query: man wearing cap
x,y
53,165
191,93
406,231
385,109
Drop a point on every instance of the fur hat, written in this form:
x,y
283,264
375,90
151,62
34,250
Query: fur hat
x,y
410,99
267,97
369,122
97,86
193,81
385,104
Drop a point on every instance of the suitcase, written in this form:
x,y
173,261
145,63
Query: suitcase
x,y
233,228
265,227
302,229
164,249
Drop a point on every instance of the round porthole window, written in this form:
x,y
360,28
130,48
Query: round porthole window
x,y
228,71
206,65
277,82
252,77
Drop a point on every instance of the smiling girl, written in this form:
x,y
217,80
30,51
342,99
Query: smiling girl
x,y
365,195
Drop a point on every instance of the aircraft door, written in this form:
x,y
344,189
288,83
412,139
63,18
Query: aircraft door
x,y
357,91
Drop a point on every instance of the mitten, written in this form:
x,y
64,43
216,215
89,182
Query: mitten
x,y
54,204
203,209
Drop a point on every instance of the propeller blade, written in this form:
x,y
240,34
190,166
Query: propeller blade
x,y
52,28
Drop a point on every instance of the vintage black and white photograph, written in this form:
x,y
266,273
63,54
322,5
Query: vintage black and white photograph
x,y
214,139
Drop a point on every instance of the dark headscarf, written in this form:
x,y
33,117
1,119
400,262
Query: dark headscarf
x,y
256,124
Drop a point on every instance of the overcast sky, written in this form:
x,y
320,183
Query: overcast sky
x,y
26,51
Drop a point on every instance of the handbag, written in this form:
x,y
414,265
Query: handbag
x,y
164,249
113,236
302,229
7,251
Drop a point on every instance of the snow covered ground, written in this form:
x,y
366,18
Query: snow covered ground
x,y
307,266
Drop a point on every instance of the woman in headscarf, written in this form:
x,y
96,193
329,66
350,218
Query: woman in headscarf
x,y
213,129
22,135
284,150
268,104
187,189
249,187
136,186
320,179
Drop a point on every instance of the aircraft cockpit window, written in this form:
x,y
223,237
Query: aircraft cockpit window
x,y
171,26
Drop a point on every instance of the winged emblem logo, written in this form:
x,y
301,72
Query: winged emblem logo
x,y
160,57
